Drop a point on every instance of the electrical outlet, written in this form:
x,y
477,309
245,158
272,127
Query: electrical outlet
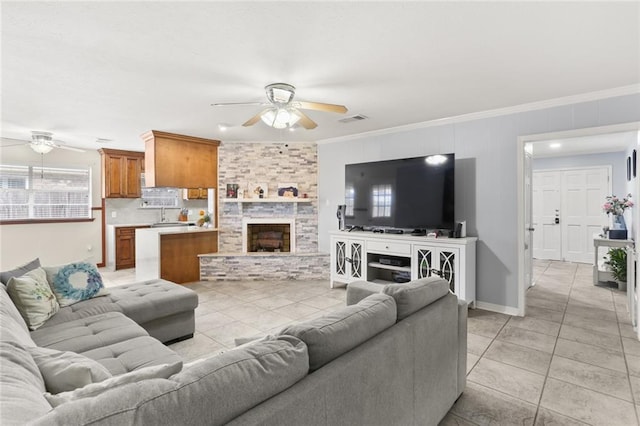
x,y
114,214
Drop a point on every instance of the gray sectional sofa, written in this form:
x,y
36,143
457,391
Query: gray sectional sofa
x,y
386,359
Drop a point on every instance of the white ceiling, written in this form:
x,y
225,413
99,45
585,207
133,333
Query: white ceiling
x,y
88,70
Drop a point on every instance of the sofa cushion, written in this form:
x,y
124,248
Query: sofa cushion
x,y
65,371
13,328
88,333
19,271
132,354
412,296
332,335
84,309
74,282
21,386
33,297
163,371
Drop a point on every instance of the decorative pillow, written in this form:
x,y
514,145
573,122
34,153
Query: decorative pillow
x,y
66,371
33,297
75,282
19,271
163,371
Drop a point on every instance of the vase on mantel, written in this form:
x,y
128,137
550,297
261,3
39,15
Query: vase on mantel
x,y
618,228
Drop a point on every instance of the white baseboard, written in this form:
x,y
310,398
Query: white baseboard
x,y
497,308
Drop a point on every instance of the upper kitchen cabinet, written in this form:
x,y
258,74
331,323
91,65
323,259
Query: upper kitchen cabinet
x,y
180,161
121,172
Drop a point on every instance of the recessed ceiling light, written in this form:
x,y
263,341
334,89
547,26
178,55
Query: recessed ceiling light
x,y
103,140
555,145
223,127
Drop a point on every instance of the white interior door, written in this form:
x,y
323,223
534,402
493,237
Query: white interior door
x,y
528,220
583,192
547,242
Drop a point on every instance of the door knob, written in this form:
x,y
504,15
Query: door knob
x,y
531,229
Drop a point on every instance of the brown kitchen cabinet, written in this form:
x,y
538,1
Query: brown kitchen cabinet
x,y
180,161
126,246
121,172
196,194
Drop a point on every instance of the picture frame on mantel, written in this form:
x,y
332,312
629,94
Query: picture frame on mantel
x,y
232,190
288,190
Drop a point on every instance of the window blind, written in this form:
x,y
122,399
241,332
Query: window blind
x,y
33,192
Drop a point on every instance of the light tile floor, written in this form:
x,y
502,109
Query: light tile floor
x,y
573,360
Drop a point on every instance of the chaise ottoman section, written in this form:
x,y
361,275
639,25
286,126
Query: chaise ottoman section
x,y
165,309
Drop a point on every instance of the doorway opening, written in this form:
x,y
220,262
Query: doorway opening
x,y
525,149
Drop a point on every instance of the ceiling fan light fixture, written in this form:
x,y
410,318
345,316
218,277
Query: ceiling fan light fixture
x,y
41,142
41,148
280,118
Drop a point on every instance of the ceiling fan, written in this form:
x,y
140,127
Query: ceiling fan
x,y
43,143
283,112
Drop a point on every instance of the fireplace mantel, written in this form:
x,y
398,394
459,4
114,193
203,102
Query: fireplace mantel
x,y
267,200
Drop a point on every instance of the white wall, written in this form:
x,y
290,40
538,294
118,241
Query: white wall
x,y
53,243
486,176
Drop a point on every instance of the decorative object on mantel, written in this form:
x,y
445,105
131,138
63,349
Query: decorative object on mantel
x,y
260,190
287,190
617,263
615,207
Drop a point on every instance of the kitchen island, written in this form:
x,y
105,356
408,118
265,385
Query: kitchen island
x,y
171,253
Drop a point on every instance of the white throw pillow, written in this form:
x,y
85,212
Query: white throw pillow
x,y
33,297
66,371
163,371
75,282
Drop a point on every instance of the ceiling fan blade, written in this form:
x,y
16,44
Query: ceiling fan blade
x,y
68,148
253,120
238,103
305,121
15,144
318,106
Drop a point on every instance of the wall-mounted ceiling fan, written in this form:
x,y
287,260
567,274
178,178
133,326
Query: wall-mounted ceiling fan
x,y
42,143
283,111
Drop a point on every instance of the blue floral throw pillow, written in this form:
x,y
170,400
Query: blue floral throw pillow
x,y
75,282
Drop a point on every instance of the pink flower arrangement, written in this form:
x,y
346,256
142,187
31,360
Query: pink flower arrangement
x,y
617,206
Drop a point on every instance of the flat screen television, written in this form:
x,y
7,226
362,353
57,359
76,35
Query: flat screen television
x,y
409,193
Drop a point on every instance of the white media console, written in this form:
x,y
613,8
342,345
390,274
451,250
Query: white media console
x,y
382,258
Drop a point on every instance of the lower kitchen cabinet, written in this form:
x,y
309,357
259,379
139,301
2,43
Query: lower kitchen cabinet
x,y
125,245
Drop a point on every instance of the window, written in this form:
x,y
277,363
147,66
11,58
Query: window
x,y
349,200
33,192
159,197
381,200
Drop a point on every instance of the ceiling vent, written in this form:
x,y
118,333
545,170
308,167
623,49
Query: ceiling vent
x,y
357,117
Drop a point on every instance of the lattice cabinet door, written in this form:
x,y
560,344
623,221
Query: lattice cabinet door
x,y
347,260
355,256
424,260
437,261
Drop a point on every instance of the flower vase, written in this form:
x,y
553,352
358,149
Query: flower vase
x,y
618,229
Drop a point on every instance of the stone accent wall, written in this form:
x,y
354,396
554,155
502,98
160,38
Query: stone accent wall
x,y
271,266
270,163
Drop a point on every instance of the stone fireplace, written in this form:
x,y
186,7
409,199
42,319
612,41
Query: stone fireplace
x,y
268,234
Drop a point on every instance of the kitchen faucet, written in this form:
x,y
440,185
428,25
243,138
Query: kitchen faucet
x,y
162,217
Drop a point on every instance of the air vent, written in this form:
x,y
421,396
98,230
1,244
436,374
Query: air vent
x,y
357,117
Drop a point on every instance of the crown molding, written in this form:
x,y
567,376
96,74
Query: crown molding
x,y
549,103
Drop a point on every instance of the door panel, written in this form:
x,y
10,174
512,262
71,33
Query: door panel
x,y
546,208
583,191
